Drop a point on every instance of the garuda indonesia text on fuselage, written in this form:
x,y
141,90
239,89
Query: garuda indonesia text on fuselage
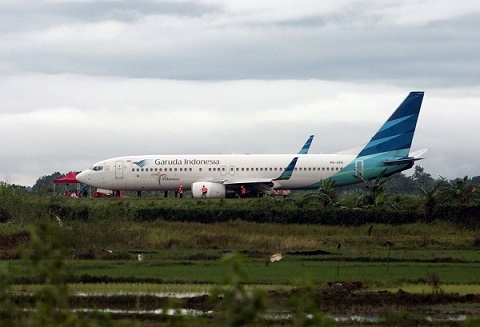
x,y
388,152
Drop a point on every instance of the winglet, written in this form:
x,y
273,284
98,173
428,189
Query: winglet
x,y
287,173
306,146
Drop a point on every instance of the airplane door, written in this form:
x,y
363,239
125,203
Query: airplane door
x,y
359,168
119,169
231,170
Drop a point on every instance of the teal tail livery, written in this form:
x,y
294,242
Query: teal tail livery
x,y
387,153
389,148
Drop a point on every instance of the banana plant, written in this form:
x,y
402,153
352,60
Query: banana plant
x,y
375,191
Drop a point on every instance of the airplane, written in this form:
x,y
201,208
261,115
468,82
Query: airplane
x,y
387,153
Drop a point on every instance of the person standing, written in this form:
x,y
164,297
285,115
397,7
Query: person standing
x,y
204,192
243,191
180,191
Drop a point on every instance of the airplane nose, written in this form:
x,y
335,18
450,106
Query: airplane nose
x,y
82,177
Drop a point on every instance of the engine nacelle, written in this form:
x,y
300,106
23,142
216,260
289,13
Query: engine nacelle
x,y
214,190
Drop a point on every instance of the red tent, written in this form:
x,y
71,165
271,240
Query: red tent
x,y
71,177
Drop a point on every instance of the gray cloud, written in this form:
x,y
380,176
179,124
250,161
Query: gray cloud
x,y
84,80
204,41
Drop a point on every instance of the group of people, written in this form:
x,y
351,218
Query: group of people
x,y
77,194
179,192
73,194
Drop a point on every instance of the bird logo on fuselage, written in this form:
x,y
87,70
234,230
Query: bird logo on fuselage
x,y
141,163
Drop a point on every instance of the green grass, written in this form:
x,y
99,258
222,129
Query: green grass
x,y
181,257
241,235
282,272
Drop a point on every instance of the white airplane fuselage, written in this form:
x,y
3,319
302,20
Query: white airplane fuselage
x,y
168,172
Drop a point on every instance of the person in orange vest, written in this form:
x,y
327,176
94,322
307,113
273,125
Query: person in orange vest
x,y
180,191
204,191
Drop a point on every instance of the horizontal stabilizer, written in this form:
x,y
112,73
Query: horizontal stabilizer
x,y
418,153
414,156
401,161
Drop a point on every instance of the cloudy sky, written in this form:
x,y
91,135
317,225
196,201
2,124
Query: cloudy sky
x,y
85,80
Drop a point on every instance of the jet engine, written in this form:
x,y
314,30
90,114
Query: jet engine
x,y
214,190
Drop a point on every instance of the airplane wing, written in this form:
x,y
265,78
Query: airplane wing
x,y
286,174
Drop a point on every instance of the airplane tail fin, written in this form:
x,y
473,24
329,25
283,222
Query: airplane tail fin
x,y
388,150
396,135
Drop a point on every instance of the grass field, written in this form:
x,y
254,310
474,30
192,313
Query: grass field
x,y
439,258
285,272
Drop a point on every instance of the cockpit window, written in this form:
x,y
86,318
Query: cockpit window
x,y
97,168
